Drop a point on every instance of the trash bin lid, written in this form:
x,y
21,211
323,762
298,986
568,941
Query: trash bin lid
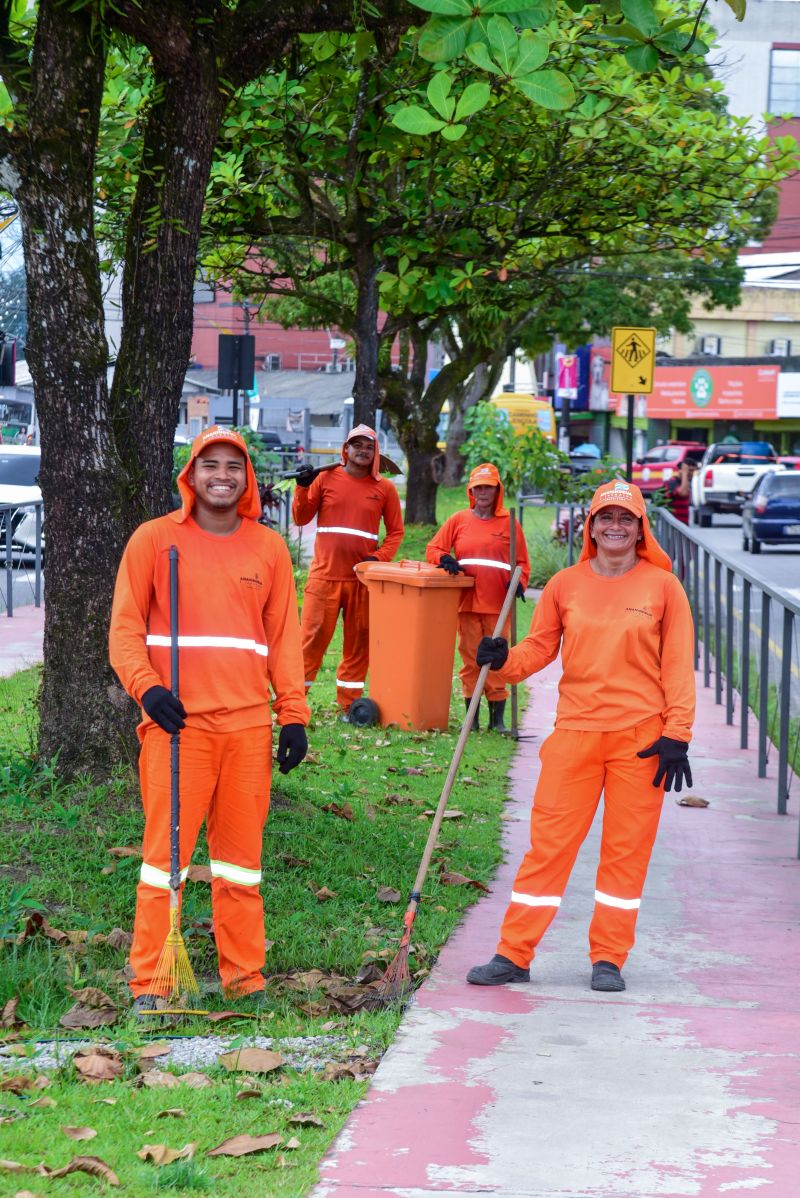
x,y
411,574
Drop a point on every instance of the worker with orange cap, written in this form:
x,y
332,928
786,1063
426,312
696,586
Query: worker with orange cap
x,y
624,628
477,542
349,503
239,652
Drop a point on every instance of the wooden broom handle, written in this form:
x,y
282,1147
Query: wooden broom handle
x,y
459,749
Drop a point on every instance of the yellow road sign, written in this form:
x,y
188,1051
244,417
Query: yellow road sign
x,y
633,360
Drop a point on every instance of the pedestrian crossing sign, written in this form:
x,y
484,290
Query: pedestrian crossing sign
x,y
633,359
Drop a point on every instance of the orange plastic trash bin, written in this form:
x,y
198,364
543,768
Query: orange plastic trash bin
x,y
413,610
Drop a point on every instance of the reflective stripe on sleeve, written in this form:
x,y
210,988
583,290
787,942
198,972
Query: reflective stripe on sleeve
x,y
483,561
610,900
536,900
211,642
235,873
353,532
350,686
158,877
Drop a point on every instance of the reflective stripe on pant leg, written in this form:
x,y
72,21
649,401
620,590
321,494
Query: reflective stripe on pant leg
x,y
632,809
567,796
235,838
198,765
321,604
352,672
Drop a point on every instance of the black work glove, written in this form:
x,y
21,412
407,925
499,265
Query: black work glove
x,y
492,651
292,746
306,476
369,559
448,562
673,762
520,592
162,707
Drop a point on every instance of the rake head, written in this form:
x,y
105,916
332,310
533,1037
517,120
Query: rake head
x,y
174,976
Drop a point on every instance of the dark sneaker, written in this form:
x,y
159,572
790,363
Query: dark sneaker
x,y
146,1004
497,972
606,976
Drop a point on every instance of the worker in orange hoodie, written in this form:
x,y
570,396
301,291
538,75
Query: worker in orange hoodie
x,y
239,653
477,542
348,502
624,628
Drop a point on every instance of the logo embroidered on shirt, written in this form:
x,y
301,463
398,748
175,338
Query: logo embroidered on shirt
x,y
640,611
255,581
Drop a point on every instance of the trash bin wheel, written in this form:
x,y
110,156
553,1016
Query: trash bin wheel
x,y
364,713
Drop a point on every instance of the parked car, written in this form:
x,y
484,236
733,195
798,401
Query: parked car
x,y
771,514
19,473
789,462
727,475
657,466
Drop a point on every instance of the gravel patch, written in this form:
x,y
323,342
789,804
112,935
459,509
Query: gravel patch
x,y
194,1052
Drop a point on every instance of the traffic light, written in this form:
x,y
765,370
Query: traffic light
x,y
8,360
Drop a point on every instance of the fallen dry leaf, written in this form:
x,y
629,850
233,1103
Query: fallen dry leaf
x,y
14,1167
36,923
79,1133
292,1144
307,1120
152,1050
250,1092
8,1015
323,894
343,810
450,878
159,1154
155,1079
41,1082
244,1144
199,873
282,1163
412,769
98,1064
116,938
293,862
43,1103
26,1194
387,894
93,1008
126,850
172,1112
454,814
251,1060
195,1081
16,1084
92,1165
692,801
219,1016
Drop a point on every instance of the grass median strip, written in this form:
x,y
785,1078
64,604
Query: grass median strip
x,y
342,844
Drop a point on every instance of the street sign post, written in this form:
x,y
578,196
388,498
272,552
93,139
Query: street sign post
x,y
633,361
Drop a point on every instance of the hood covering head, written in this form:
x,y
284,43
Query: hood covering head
x,y
249,506
487,475
628,496
363,430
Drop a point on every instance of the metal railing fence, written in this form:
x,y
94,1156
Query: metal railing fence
x,y
22,544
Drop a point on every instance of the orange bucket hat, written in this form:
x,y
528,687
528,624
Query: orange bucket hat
x,y
618,493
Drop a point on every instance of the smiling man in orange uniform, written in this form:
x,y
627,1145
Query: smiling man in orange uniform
x,y
239,640
477,542
624,627
349,503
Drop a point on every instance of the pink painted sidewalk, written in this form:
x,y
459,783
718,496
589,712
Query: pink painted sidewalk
x,y
21,639
687,1084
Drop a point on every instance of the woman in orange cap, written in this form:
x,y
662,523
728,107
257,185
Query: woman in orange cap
x,y
624,628
477,542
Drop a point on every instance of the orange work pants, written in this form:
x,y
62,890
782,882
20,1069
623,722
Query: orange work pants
x,y
576,767
322,602
224,779
473,625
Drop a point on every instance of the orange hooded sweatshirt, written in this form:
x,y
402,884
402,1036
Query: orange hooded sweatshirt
x,y
349,512
239,631
627,642
482,547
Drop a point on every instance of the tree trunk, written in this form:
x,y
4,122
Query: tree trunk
x,y
479,386
366,335
85,491
421,487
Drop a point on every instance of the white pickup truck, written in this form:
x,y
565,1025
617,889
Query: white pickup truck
x,y
727,475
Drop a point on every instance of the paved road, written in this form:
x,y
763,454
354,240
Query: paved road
x,y
777,565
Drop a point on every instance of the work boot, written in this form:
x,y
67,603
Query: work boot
x,y
497,972
475,722
606,976
496,712
145,1004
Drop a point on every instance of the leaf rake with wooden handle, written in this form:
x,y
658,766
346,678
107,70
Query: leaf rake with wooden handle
x,y
397,978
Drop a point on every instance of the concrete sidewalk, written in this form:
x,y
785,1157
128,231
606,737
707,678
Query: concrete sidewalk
x,y
687,1084
21,638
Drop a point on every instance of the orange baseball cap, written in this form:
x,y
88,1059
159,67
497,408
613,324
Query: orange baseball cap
x,y
618,494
